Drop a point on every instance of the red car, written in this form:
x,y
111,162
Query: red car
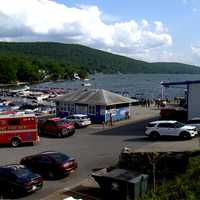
x,y
50,164
57,127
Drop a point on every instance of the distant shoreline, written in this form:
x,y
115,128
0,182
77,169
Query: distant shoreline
x,y
18,84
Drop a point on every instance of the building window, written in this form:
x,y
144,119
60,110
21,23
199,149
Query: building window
x,y
92,109
70,108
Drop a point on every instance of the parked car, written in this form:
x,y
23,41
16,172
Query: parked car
x,y
170,128
195,122
57,127
79,120
18,179
50,164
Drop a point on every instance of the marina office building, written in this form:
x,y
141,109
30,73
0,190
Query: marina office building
x,y
192,96
99,104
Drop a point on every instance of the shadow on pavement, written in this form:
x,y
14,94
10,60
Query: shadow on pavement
x,y
133,129
138,139
171,139
161,139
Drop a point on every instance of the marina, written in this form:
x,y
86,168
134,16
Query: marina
x,y
40,98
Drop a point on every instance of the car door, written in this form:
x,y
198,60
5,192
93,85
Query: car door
x,y
50,127
42,164
166,128
172,129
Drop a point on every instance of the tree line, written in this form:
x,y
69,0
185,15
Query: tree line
x,y
14,68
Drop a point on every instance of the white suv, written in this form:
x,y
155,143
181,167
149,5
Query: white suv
x,y
79,120
170,128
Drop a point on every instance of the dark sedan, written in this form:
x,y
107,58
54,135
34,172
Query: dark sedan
x,y
17,179
50,164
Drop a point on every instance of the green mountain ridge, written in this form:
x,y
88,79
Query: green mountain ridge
x,y
91,60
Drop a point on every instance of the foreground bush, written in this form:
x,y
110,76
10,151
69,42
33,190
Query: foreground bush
x,y
183,187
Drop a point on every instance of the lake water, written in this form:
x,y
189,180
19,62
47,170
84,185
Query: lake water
x,y
147,85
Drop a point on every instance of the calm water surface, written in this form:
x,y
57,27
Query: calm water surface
x,y
147,85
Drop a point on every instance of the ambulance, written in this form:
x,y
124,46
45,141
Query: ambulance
x,y
18,128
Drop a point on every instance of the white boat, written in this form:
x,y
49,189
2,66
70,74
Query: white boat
x,y
86,79
76,76
86,84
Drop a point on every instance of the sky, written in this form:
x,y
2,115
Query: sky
x,y
149,30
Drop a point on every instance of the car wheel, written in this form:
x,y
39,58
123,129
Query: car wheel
x,y
66,132
154,135
185,135
15,142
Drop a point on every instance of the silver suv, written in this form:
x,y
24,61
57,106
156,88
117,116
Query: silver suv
x,y
170,128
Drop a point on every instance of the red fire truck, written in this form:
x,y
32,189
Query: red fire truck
x,y
18,128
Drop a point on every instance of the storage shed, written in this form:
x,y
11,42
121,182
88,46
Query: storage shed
x,y
192,98
99,104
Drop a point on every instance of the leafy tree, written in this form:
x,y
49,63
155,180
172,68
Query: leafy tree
x,y
7,71
28,72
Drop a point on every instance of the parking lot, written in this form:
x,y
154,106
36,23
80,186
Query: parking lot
x,y
95,147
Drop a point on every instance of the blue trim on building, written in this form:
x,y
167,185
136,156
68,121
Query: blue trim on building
x,y
102,115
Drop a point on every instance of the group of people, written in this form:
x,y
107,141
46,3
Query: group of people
x,y
156,102
146,102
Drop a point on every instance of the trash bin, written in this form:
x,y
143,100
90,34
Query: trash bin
x,y
121,184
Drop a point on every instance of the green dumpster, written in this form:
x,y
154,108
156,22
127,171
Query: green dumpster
x,y
121,184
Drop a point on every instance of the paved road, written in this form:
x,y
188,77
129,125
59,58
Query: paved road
x,y
94,147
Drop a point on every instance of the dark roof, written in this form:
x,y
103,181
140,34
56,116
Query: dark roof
x,y
179,83
94,97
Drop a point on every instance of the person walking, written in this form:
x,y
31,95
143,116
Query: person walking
x,y
111,119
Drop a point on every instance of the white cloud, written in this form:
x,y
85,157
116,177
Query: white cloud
x,y
196,49
46,20
195,10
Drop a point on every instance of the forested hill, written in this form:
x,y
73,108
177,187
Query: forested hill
x,y
65,58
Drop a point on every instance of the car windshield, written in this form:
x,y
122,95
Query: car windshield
x,y
61,122
21,172
151,125
59,157
83,117
179,125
